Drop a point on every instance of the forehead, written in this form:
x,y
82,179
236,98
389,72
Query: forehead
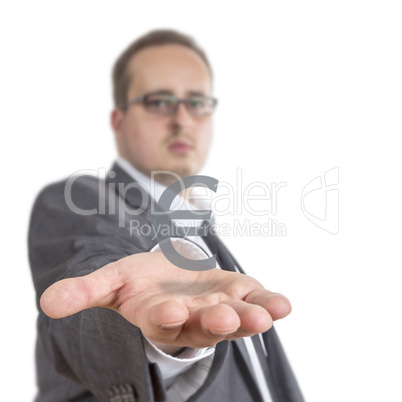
x,y
169,67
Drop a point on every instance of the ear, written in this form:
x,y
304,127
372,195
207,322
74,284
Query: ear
x,y
116,119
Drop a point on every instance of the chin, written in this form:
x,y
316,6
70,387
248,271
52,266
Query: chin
x,y
181,171
185,171
183,168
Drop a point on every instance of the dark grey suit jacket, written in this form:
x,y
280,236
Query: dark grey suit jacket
x,y
97,355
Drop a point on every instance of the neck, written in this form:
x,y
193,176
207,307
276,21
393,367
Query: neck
x,y
168,179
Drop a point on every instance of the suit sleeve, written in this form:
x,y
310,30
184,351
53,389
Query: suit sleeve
x,y
97,347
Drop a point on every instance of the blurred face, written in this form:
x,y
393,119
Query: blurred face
x,y
179,142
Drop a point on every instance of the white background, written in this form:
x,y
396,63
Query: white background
x,y
303,87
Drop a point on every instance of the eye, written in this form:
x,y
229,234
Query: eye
x,y
196,103
160,103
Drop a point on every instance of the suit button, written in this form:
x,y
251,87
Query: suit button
x,y
121,393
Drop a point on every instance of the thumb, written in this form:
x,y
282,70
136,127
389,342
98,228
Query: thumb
x,y
69,296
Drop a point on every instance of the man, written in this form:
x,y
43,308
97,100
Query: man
x,y
117,322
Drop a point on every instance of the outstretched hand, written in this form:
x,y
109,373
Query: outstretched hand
x,y
169,304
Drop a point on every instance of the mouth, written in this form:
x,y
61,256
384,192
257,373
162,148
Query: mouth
x,y
180,147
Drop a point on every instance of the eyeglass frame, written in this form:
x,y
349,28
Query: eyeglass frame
x,y
184,101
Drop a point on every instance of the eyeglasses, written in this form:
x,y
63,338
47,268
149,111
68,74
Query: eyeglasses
x,y
166,104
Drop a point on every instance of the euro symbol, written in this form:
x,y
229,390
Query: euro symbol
x,y
162,216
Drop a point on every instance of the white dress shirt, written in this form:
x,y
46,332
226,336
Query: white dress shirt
x,y
184,374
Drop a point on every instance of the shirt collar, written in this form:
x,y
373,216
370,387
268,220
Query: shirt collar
x,y
155,189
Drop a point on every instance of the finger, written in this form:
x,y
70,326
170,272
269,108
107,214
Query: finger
x,y
163,322
254,318
219,319
69,296
209,325
277,305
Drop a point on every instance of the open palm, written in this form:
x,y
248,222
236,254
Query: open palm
x,y
169,304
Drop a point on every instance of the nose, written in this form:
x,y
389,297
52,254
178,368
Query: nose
x,y
182,117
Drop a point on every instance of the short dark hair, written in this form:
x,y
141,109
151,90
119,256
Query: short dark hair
x,y
120,76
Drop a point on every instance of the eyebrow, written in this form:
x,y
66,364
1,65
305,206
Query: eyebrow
x,y
169,92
